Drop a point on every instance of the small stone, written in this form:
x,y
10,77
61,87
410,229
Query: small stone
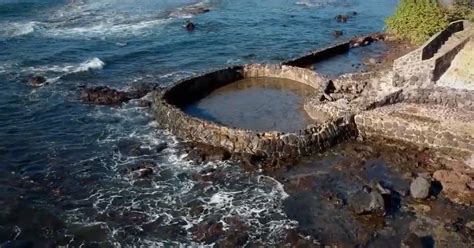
x,y
420,188
372,61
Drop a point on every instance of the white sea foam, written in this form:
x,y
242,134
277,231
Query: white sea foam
x,y
14,29
90,64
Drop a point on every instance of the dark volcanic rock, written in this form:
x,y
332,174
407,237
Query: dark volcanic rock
x,y
103,95
367,201
420,188
37,80
190,26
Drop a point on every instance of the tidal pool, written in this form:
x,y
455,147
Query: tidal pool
x,y
262,104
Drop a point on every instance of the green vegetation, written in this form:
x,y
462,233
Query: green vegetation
x,y
417,20
463,10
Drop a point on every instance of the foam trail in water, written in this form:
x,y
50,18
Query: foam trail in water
x,y
14,29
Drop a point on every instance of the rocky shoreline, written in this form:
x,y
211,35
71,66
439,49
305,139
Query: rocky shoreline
x,y
376,188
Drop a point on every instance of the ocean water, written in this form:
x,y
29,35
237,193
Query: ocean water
x,y
62,162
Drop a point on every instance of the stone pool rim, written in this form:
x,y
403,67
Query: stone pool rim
x,y
169,102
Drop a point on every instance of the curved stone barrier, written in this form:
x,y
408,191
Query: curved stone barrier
x,y
168,111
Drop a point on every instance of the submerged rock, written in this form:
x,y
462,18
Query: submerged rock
x,y
420,188
37,81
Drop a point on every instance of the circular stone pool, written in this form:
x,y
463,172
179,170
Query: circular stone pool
x,y
253,109
261,104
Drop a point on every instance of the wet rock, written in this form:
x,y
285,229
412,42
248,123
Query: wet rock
x,y
103,95
342,18
420,188
337,33
37,81
367,201
206,153
208,232
189,25
412,241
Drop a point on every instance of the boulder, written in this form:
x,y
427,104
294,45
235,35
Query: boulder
x,y
367,201
420,188
37,81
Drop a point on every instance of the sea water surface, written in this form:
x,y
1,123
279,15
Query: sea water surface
x,y
62,162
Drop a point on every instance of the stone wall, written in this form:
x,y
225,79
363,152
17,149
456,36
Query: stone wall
x,y
276,144
333,50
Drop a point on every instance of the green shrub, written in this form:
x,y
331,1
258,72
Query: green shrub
x,y
417,20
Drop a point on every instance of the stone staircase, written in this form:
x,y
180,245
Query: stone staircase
x,y
425,65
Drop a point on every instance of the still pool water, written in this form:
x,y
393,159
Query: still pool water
x,y
61,161
261,104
